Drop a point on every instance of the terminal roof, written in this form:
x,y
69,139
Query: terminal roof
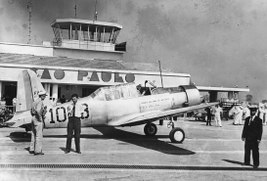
x,y
32,60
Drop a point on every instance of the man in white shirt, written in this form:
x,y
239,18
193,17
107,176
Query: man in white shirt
x,y
217,116
237,113
38,111
75,113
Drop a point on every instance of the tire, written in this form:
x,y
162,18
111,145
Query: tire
x,y
177,135
150,129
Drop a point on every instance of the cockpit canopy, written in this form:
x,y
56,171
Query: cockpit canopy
x,y
130,90
122,91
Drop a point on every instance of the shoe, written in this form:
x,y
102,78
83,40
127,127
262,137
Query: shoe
x,y
67,151
255,166
246,163
79,152
31,152
41,153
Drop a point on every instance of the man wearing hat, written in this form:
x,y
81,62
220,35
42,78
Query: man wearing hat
x,y
38,111
252,133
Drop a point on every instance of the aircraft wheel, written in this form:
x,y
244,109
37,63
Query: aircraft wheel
x,y
150,129
177,135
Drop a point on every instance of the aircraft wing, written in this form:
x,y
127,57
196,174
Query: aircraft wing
x,y
142,118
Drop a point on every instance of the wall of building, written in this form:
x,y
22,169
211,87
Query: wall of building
x,y
40,50
25,49
87,54
101,77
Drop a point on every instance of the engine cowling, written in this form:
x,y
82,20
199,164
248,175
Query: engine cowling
x,y
192,93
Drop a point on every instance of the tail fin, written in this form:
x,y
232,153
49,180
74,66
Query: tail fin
x,y
27,90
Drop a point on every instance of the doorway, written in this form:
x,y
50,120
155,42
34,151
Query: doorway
x,y
9,92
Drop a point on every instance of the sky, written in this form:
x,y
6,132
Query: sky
x,y
218,42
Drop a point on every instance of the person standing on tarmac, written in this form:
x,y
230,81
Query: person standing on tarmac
x,y
264,117
208,110
38,111
75,113
252,134
217,116
237,113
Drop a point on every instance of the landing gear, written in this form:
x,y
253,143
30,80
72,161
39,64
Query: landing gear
x,y
150,129
177,135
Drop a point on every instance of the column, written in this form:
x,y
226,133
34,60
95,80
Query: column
x,y
55,91
47,88
230,95
0,90
213,96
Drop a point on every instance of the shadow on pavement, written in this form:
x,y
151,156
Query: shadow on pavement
x,y
20,136
151,143
234,162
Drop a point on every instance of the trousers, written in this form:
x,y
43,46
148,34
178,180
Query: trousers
x,y
36,137
74,124
218,120
254,146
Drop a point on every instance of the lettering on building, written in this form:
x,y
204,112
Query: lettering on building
x,y
88,76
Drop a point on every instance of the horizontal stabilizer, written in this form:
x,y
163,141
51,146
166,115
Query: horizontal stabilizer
x,y
19,119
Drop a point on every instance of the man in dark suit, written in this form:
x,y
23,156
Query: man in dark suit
x,y
252,133
208,110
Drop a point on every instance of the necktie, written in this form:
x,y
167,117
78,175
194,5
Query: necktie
x,y
73,110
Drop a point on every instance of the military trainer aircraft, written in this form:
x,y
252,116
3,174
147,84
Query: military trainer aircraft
x,y
119,105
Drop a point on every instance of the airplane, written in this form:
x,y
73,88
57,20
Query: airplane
x,y
116,106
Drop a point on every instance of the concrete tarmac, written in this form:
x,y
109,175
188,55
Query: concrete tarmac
x,y
208,153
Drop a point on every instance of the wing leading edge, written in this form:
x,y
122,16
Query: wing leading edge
x,y
142,118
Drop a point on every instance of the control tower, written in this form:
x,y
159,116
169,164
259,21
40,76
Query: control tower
x,y
87,39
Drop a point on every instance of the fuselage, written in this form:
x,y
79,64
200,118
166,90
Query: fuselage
x,y
99,112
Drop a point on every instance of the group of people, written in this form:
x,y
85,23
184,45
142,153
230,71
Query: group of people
x,y
240,112
38,111
217,111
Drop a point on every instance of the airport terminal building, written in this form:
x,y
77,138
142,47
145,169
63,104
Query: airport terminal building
x,y
83,56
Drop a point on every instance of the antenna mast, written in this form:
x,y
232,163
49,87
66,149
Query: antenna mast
x,y
95,15
29,7
75,9
160,73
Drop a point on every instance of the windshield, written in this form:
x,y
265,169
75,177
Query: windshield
x,y
123,91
